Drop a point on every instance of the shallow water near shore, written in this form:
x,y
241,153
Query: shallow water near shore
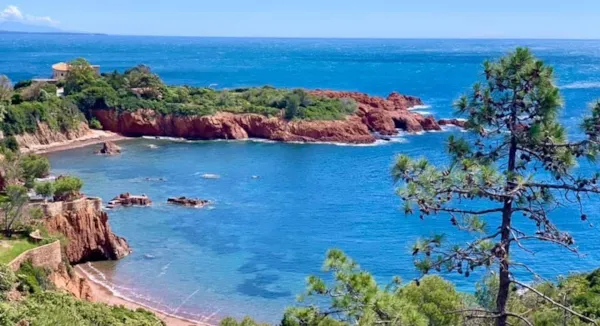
x,y
251,250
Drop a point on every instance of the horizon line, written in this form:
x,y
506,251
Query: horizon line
x,y
314,37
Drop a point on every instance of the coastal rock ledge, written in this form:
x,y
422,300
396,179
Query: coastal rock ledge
x,y
85,225
374,115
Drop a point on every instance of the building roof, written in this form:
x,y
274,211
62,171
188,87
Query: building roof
x,y
61,66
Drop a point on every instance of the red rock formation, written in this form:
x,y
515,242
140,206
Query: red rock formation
x,y
128,199
234,126
86,227
374,114
72,283
456,122
109,148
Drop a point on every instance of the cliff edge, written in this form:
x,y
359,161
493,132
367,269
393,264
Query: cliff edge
x,y
85,225
373,115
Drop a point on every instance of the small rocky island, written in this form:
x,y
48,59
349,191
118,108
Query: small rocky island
x,y
189,202
109,148
127,199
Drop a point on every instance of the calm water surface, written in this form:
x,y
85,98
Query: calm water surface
x,y
250,252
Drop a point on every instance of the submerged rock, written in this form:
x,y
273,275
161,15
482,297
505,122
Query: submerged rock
x,y
190,202
211,176
109,148
128,199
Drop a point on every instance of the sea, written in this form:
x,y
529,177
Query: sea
x,y
277,208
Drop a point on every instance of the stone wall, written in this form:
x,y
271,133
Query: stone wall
x,y
49,256
52,209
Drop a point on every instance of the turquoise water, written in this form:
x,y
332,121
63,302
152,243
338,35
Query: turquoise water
x,y
249,253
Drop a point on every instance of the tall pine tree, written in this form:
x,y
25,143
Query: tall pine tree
x,y
516,164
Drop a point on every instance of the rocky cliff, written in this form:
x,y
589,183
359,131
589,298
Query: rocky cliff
x,y
374,114
85,225
44,135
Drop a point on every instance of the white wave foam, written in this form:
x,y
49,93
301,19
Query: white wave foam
x,y
423,112
581,85
419,107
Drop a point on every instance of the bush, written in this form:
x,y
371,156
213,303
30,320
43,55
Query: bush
x,y
67,188
7,278
34,166
45,189
95,124
33,279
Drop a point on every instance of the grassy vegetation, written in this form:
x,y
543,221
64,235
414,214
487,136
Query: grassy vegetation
x,y
10,249
29,103
42,306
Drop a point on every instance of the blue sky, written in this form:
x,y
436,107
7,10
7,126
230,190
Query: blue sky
x,y
317,18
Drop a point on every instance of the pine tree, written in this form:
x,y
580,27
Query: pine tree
x,y
516,163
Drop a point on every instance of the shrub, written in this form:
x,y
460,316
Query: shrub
x,y
45,189
67,188
7,278
95,124
34,166
33,279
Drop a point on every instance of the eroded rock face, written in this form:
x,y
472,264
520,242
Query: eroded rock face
x,y
72,283
44,135
86,227
109,148
374,114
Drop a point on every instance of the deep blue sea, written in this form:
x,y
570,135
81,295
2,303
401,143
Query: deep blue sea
x,y
250,252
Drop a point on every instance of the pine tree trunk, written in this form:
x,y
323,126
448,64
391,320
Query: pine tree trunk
x,y
507,210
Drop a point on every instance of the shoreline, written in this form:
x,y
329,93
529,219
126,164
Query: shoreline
x,y
102,294
93,138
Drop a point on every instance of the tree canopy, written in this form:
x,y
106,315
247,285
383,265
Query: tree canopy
x,y
517,163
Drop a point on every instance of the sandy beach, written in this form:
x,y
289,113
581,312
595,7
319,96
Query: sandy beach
x,y
104,295
93,137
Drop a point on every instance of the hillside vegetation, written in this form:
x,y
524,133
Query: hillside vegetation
x,y
27,103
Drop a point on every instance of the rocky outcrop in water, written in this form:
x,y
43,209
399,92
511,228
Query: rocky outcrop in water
x,y
385,116
109,148
128,199
85,225
190,202
374,114
453,122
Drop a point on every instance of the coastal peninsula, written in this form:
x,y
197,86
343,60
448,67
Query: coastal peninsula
x,y
82,106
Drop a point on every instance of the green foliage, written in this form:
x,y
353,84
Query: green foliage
x,y
95,124
80,75
247,321
6,89
67,188
358,300
513,117
59,114
34,166
13,248
7,279
12,204
50,308
45,189
33,279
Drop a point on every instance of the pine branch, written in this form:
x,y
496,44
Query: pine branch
x,y
584,318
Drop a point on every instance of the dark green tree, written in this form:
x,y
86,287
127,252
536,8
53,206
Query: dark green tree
x,y
355,298
80,75
516,164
